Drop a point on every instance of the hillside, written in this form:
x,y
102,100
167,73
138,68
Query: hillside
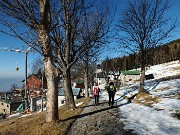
x,y
34,124
165,69
160,54
157,112
154,113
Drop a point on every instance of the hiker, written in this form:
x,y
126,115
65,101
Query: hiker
x,y
96,91
111,91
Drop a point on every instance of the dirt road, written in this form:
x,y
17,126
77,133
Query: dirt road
x,y
98,120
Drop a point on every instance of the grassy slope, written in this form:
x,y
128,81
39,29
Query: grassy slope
x,y
36,125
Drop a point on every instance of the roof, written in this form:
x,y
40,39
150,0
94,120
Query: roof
x,y
80,82
131,72
75,91
30,76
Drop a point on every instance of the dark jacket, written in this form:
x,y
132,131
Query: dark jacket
x,y
111,91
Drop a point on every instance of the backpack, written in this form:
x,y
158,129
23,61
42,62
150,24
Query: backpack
x,y
111,88
96,91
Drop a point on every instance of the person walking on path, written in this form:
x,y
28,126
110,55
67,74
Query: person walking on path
x,y
96,91
111,91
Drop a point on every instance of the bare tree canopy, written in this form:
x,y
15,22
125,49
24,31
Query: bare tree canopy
x,y
21,20
59,30
30,22
79,26
143,25
37,66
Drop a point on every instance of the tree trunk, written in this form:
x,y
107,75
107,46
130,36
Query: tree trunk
x,y
50,72
142,71
70,104
142,80
86,73
86,80
52,91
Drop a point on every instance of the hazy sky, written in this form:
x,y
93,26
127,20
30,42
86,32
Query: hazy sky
x,y
8,60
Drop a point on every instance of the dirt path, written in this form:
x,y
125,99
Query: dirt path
x,y
98,120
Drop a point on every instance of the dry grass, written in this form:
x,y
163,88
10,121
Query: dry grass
x,y
176,114
146,99
159,109
162,89
176,96
176,68
36,124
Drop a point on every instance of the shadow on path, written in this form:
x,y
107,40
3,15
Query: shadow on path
x,y
94,104
94,111
86,114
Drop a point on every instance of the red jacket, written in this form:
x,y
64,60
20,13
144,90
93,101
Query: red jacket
x,y
96,90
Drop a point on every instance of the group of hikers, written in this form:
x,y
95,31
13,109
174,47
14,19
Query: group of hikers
x,y
111,92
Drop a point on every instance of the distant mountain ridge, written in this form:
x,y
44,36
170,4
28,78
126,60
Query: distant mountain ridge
x,y
6,83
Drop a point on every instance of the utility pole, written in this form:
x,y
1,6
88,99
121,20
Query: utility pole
x,y
27,98
25,84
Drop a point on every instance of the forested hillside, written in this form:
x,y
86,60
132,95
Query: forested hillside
x,y
160,54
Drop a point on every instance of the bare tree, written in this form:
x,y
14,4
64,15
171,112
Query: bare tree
x,y
84,68
88,67
105,67
87,75
92,54
14,86
72,39
30,22
56,30
143,25
37,66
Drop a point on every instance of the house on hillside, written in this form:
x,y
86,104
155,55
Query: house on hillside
x,y
79,84
61,96
113,76
16,92
10,101
38,103
9,106
100,78
34,85
129,77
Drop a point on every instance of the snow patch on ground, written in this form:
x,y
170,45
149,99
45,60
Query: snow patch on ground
x,y
157,119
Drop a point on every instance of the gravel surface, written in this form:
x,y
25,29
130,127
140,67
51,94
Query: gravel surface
x,y
99,120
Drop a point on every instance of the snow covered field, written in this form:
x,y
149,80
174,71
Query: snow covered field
x,y
157,119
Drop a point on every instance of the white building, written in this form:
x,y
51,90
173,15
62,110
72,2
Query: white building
x,y
61,97
129,77
100,78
